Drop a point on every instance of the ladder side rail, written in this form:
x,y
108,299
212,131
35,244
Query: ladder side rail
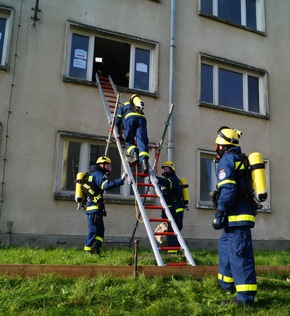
x,y
112,124
182,243
107,110
139,201
113,85
130,175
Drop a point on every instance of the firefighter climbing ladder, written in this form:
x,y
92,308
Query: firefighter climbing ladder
x,y
111,101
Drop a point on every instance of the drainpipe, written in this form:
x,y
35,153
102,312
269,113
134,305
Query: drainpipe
x,y
171,79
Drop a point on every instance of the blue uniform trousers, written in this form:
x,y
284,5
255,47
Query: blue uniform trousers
x,y
136,127
236,269
96,230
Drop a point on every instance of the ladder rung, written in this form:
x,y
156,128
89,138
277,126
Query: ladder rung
x,y
159,219
141,184
177,264
152,207
164,234
170,248
149,195
139,174
104,78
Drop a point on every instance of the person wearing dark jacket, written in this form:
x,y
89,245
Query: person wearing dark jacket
x,y
171,189
95,208
131,116
235,216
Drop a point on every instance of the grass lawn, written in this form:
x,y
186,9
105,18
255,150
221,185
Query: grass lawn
x,y
109,295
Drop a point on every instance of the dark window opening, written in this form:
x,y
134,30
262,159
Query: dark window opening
x,y
115,60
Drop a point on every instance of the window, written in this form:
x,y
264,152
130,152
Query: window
x,y
130,61
207,181
6,15
247,13
232,86
77,153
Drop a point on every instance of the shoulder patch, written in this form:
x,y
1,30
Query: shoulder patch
x,y
222,174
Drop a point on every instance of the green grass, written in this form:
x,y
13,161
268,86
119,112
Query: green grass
x,y
109,296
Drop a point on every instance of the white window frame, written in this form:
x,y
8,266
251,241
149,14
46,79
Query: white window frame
x,y
7,14
246,70
202,153
86,140
260,14
133,41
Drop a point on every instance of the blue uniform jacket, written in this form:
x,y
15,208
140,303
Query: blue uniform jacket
x,y
172,192
125,112
232,184
100,179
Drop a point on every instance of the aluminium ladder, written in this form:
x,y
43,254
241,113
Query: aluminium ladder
x,y
111,101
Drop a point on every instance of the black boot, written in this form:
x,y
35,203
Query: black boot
x,y
144,166
135,157
96,248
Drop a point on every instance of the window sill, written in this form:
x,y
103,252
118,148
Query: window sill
x,y
60,196
227,109
94,84
212,17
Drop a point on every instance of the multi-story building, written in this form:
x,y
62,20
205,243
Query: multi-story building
x,y
219,62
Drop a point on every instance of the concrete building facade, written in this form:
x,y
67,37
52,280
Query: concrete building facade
x,y
219,62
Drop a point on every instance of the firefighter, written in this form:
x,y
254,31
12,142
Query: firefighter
x,y
235,216
131,115
171,189
95,207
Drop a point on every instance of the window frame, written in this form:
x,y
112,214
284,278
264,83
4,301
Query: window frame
x,y
86,141
246,70
200,204
135,42
6,13
260,16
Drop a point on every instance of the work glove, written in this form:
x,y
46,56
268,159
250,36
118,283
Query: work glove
x,y
120,137
124,176
218,221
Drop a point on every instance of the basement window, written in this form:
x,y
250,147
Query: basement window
x,y
207,181
6,16
244,13
130,61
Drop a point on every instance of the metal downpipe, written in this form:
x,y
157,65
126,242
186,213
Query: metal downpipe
x,y
171,79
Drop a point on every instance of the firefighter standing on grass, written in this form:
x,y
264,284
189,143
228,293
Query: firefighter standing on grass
x,y
131,115
95,208
235,216
171,189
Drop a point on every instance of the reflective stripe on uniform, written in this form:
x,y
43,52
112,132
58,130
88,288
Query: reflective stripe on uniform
x,y
87,248
246,287
226,181
133,114
225,278
131,148
90,208
237,165
143,153
103,184
179,210
241,218
99,239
